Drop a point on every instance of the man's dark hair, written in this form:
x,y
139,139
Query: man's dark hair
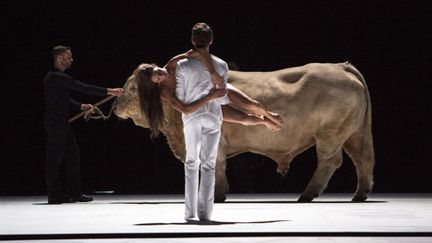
x,y
202,35
58,50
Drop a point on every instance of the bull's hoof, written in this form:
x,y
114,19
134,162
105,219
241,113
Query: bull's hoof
x,y
304,199
359,198
219,198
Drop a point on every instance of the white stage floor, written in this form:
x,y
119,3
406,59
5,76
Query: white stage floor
x,y
244,217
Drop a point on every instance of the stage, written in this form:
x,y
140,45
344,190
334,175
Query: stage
x,y
244,217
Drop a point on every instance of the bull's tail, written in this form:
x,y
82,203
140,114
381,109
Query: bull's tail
x,y
359,146
368,115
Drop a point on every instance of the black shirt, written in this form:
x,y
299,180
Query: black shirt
x,y
57,87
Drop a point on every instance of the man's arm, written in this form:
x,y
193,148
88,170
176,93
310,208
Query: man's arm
x,y
73,84
75,105
78,106
88,89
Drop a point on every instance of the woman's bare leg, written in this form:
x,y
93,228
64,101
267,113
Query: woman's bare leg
x,y
241,100
231,114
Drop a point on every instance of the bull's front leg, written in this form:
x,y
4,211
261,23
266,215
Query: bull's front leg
x,y
221,185
329,160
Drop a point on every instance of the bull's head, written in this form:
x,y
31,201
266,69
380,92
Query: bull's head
x,y
127,105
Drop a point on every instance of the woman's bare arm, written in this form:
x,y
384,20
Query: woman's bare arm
x,y
192,107
172,63
205,57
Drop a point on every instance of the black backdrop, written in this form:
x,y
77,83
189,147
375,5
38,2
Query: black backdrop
x,y
388,42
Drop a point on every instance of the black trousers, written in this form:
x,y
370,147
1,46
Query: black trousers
x,y
62,164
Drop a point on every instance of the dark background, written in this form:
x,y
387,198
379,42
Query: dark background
x,y
388,41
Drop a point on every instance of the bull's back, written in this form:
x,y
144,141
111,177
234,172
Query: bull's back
x,y
308,98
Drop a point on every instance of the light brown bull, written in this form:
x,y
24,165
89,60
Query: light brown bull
x,y
326,105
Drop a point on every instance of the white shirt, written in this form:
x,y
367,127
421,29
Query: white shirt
x,y
194,82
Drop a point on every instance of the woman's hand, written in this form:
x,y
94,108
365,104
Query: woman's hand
x,y
205,57
198,53
192,53
218,81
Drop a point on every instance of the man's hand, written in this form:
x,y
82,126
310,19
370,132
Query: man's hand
x,y
115,92
85,107
216,93
88,108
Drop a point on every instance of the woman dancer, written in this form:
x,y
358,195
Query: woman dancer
x,y
155,84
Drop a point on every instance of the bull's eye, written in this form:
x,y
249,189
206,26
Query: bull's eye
x,y
132,88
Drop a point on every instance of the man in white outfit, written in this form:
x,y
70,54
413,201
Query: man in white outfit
x,y
202,128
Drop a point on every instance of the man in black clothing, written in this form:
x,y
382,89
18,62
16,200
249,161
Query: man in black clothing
x,y
62,167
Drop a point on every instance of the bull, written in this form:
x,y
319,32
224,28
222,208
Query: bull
x,y
326,105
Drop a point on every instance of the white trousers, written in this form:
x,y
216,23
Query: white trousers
x,y
202,139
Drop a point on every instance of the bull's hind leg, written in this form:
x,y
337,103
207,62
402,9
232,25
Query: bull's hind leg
x,y
221,183
221,186
329,153
360,149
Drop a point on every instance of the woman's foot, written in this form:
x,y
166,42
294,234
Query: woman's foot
x,y
275,117
271,125
258,110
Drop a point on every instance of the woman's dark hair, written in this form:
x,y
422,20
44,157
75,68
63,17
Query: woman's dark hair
x,y
149,98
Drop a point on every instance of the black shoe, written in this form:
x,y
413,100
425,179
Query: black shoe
x,y
55,200
82,198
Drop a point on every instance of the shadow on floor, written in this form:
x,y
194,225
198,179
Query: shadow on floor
x,y
295,202
211,222
251,202
228,202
